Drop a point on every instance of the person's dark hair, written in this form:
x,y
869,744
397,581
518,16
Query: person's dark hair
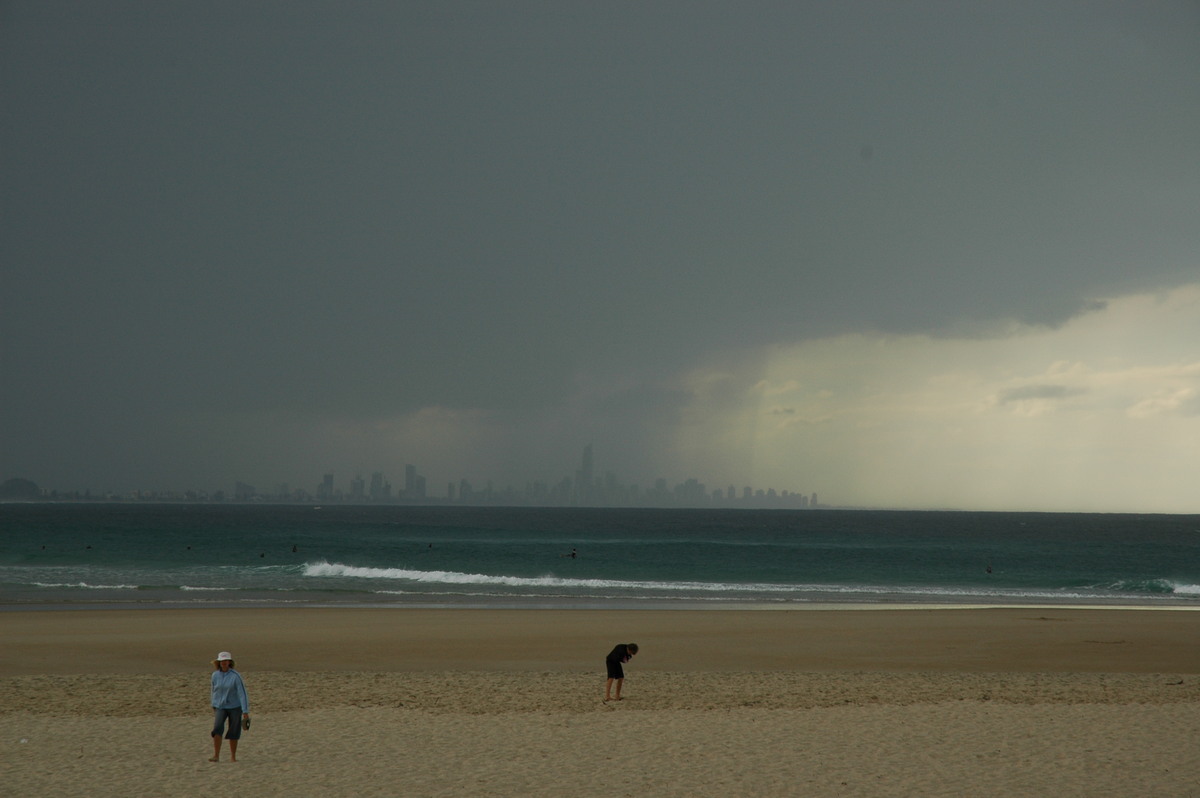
x,y
632,648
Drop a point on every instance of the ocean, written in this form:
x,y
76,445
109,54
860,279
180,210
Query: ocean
x,y
204,555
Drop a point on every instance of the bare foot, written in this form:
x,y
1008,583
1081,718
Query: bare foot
x,y
213,759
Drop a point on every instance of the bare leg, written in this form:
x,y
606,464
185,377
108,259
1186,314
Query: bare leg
x,y
620,682
216,757
608,690
233,750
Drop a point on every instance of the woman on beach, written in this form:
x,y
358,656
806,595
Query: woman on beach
x,y
231,706
619,655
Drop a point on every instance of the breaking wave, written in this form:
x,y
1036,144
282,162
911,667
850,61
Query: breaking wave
x,y
84,586
549,583
1153,586
326,569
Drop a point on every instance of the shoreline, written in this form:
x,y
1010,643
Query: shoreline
x,y
604,604
151,606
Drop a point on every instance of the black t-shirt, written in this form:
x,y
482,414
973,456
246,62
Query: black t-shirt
x,y
619,654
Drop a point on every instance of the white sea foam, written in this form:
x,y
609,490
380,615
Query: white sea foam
x,y
326,569
85,586
1163,586
732,590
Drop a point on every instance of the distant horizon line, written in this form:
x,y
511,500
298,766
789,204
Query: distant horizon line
x,y
441,502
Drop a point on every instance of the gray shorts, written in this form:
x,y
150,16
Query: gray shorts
x,y
234,716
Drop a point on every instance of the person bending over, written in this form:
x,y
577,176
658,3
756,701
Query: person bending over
x,y
616,673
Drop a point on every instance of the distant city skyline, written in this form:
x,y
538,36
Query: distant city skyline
x,y
585,489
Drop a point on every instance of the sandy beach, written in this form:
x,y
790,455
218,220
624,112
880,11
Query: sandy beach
x,y
1026,701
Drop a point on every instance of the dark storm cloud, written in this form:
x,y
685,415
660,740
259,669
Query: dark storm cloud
x,y
356,212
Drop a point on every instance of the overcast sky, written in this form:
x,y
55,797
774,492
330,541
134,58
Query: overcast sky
x,y
918,254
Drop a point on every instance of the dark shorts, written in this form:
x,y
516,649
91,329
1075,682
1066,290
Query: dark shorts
x,y
615,671
234,716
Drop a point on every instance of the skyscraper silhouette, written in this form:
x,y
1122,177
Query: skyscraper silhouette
x,y
585,479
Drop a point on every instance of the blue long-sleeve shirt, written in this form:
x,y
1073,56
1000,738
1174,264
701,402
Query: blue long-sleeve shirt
x,y
228,691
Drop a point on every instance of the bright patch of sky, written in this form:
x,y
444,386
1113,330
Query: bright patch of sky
x,y
1101,413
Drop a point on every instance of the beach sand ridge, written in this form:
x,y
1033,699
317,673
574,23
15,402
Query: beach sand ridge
x,y
496,693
